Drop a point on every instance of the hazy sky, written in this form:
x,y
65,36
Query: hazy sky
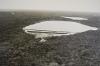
x,y
52,5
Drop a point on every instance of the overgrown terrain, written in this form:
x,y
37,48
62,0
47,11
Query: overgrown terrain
x,y
20,49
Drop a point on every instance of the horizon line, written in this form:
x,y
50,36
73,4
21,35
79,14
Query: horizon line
x,y
7,10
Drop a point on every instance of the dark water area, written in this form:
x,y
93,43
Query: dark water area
x,y
20,49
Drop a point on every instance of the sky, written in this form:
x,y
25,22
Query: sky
x,y
51,5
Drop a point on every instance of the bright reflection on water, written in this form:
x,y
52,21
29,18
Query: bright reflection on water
x,y
56,28
75,18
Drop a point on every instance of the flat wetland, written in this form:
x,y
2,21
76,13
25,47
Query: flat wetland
x,y
20,49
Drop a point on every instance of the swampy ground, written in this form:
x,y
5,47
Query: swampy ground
x,y
20,49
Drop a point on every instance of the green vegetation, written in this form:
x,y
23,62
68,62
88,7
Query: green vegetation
x,y
24,50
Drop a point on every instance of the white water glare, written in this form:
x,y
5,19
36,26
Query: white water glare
x,y
56,28
75,18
